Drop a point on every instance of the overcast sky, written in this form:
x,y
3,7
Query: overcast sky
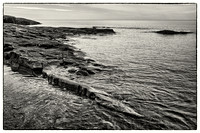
x,y
103,11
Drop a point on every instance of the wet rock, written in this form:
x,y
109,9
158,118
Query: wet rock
x,y
6,55
37,71
14,66
7,47
55,80
69,85
48,44
72,70
89,60
92,96
37,65
107,125
61,83
105,31
113,104
97,65
25,70
50,79
88,70
68,62
82,73
44,74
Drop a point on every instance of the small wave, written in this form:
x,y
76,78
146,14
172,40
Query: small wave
x,y
176,71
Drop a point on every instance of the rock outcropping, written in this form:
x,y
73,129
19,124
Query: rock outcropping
x,y
171,32
21,21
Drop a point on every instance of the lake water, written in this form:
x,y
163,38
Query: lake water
x,y
155,75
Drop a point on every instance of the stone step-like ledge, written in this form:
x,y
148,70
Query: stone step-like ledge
x,y
100,97
23,65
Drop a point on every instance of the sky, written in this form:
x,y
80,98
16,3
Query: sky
x,y
102,11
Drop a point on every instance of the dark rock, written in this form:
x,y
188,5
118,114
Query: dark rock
x,y
68,85
82,73
37,71
44,74
27,44
50,79
89,60
92,96
171,32
55,81
25,70
72,70
9,19
105,31
6,55
88,70
68,62
7,48
98,69
21,21
14,66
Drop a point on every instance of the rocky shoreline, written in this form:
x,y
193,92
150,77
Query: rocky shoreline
x,y
33,50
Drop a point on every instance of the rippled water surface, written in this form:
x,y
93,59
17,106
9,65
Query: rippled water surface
x,y
154,74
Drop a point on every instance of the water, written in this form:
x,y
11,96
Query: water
x,y
178,25
156,75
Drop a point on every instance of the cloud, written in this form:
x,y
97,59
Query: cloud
x,y
39,8
104,11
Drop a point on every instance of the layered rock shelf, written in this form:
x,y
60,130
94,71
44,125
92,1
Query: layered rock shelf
x,y
29,50
100,97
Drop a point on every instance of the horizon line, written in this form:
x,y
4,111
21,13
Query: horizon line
x,y
120,19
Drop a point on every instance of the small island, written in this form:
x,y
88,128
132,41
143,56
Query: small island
x,y
171,32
